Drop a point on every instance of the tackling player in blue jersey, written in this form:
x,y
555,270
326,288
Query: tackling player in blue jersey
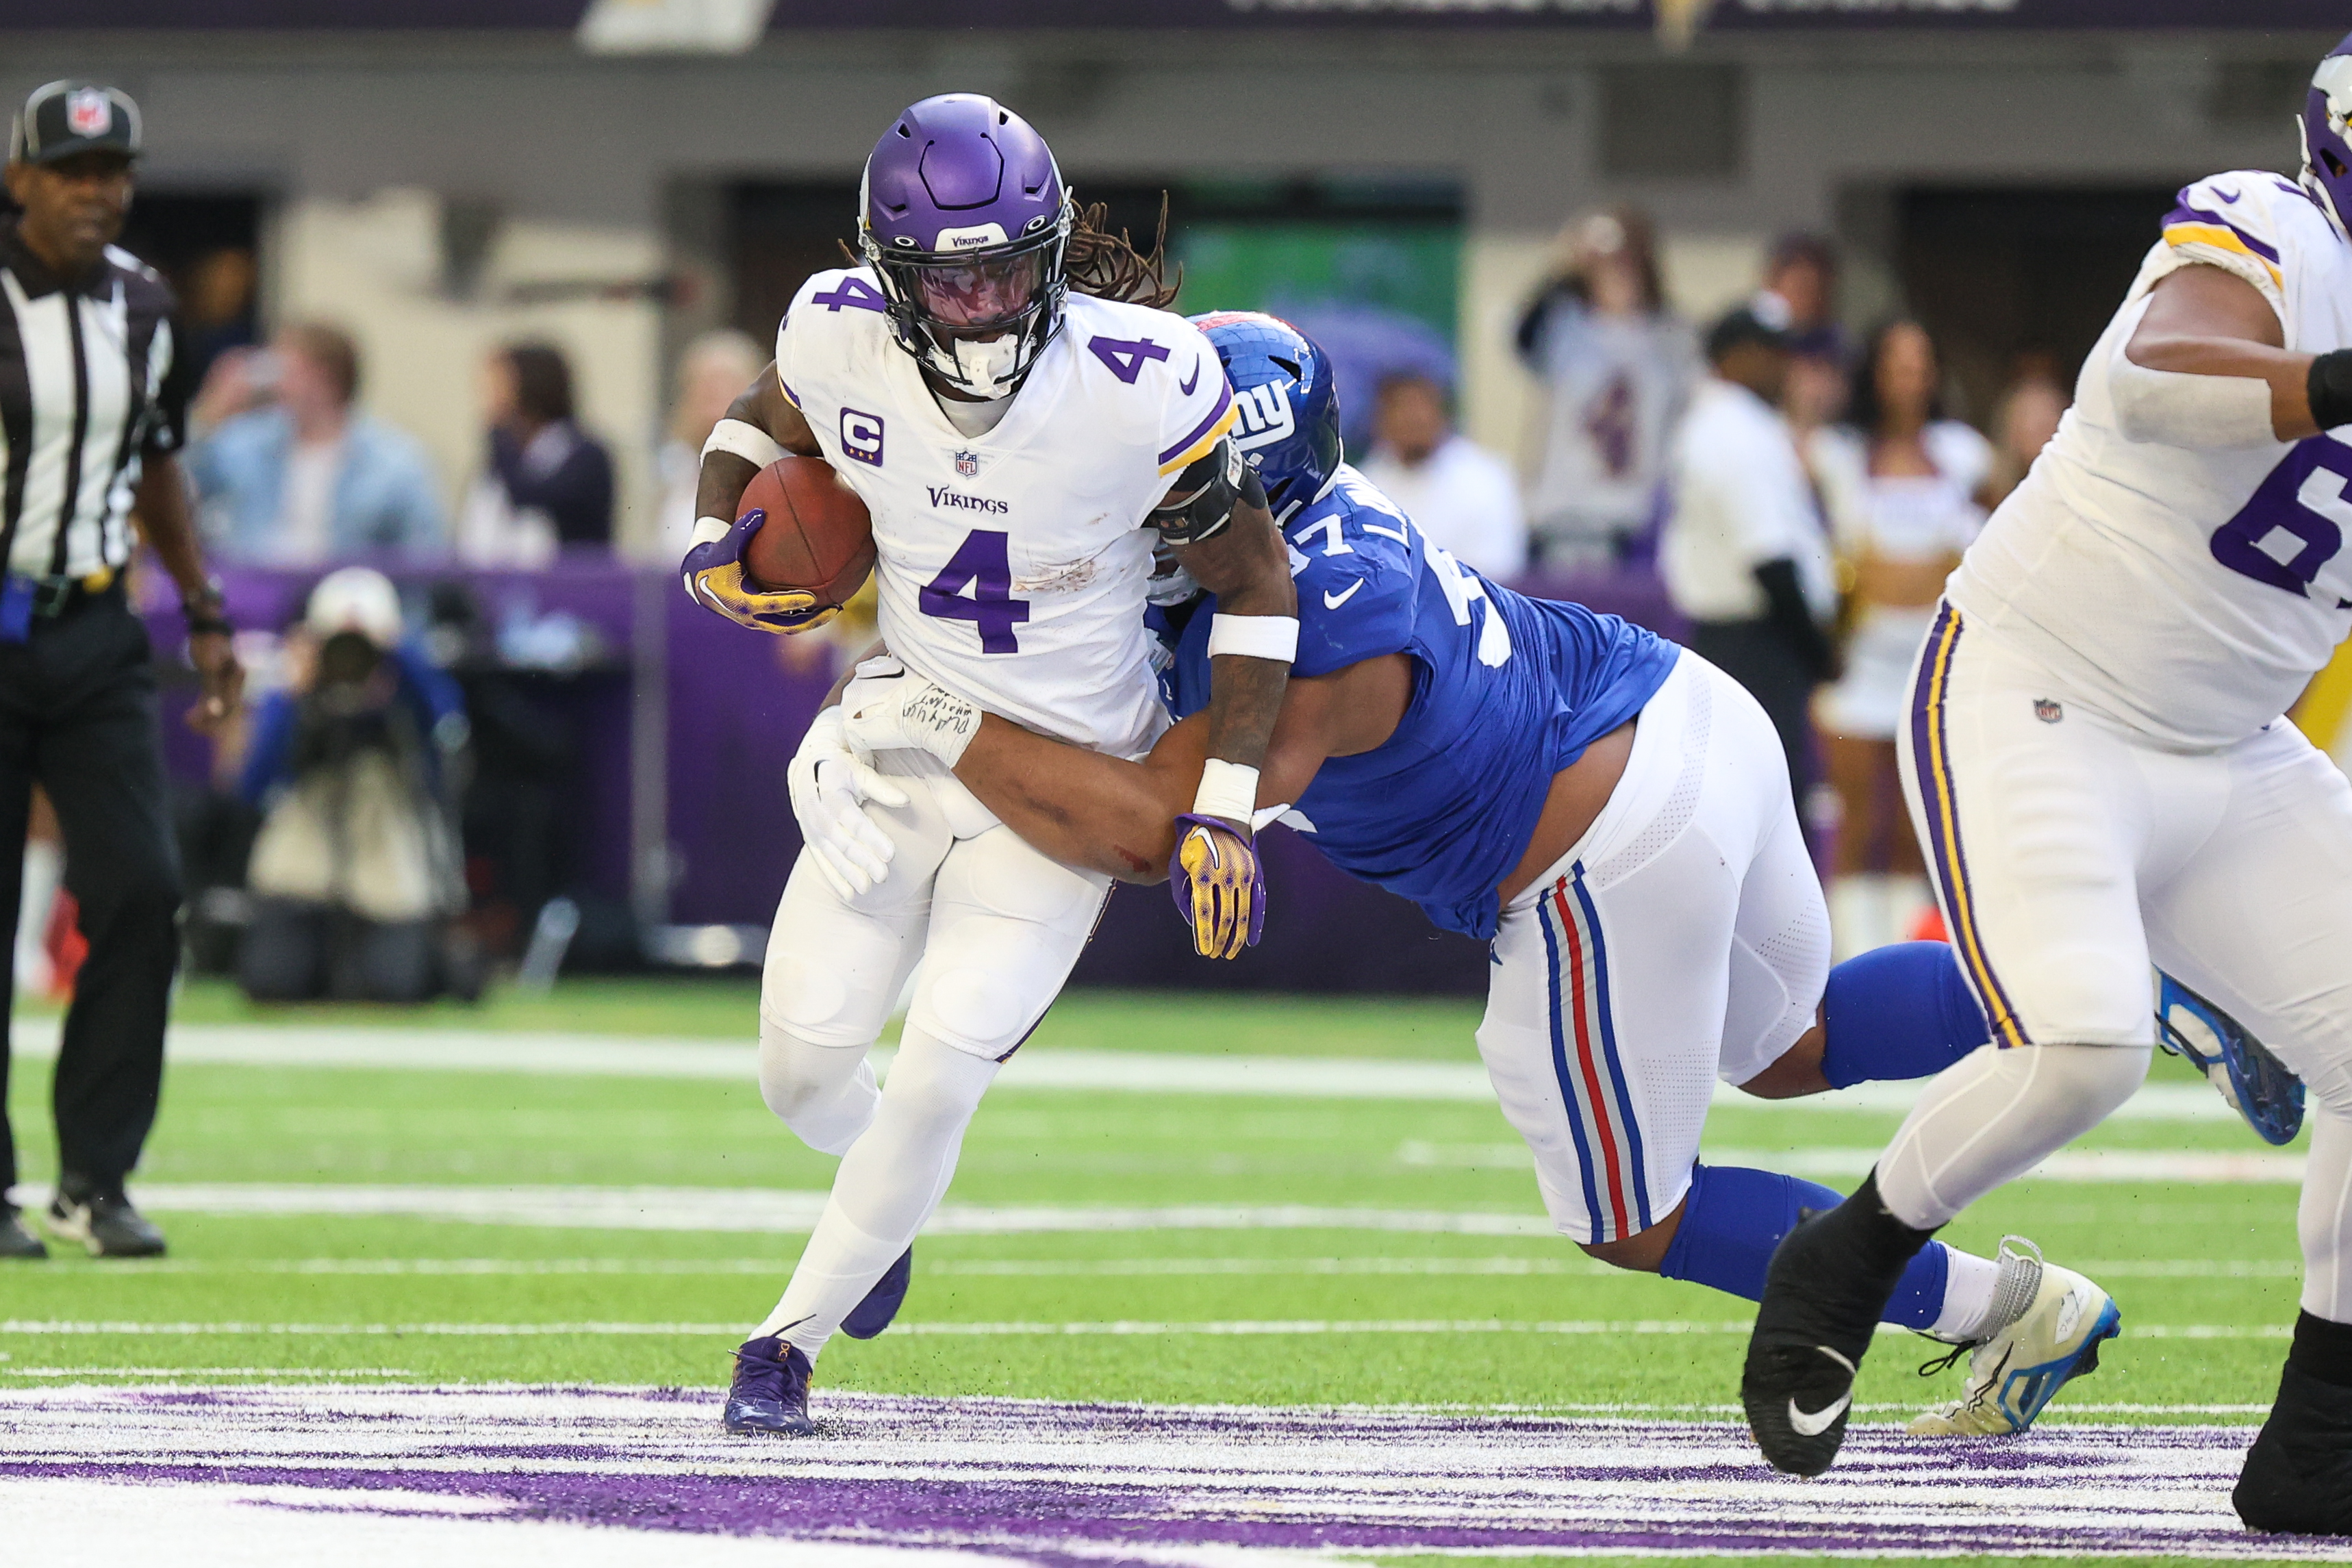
x,y
1611,813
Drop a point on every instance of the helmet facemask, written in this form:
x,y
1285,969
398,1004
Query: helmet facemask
x,y
976,317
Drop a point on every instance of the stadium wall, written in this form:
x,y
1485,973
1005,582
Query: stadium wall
x,y
368,146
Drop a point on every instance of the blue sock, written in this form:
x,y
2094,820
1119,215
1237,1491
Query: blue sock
x,y
1734,1217
1901,1011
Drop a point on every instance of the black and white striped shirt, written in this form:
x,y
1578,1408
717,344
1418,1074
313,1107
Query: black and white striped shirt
x,y
86,392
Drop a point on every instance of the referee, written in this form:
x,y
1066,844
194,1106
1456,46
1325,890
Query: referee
x,y
90,413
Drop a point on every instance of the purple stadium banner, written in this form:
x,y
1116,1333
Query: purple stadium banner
x,y
733,706
1091,15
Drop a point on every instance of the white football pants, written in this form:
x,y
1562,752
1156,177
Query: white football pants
x,y
1680,940
2069,852
988,929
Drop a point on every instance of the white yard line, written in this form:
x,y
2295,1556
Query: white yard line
x,y
1038,1068
1087,1267
1115,1328
2201,1167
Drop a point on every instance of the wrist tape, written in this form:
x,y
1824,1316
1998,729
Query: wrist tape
x,y
1254,636
746,441
2329,385
1227,789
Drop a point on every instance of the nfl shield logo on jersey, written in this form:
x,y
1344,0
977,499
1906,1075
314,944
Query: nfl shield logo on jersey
x,y
2049,712
88,111
967,463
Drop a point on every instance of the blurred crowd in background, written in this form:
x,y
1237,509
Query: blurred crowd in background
x,y
386,820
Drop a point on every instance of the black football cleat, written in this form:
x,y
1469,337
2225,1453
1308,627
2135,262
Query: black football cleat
x,y
769,1398
103,1221
16,1241
1829,1282
2298,1475
873,1314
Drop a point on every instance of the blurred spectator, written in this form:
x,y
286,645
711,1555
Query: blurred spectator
x,y
215,309
355,872
288,473
1903,488
2024,420
1620,367
711,374
1462,497
548,485
1800,293
1744,555
1367,344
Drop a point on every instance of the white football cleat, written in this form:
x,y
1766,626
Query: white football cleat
x,y
2051,1336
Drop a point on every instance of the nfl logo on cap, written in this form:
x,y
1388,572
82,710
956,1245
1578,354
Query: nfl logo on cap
x,y
967,463
88,111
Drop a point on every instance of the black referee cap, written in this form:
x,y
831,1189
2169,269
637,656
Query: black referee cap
x,y
64,118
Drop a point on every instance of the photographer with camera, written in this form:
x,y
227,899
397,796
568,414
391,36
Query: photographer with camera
x,y
355,873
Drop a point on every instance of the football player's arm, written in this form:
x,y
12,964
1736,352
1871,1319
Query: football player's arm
x,y
761,427
2208,367
767,419
1101,814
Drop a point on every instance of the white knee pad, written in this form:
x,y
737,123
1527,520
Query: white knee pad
x,y
1006,926
834,972
1996,1115
824,1093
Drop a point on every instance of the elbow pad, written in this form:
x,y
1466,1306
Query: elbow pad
x,y
1213,485
2200,413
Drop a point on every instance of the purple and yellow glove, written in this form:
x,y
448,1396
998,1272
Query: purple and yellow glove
x,y
1219,885
715,578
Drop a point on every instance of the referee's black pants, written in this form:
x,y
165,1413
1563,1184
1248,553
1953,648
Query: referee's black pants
x,y
78,717
1759,656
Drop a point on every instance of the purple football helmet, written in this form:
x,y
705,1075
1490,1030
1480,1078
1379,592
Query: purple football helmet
x,y
2327,156
964,219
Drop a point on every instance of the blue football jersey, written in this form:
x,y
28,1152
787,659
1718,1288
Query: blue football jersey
x,y
1507,691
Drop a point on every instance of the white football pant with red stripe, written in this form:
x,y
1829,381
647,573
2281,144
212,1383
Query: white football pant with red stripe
x,y
1680,940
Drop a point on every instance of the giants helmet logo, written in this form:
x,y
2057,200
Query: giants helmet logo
x,y
1266,416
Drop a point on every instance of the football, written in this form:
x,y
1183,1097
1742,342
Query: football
x,y
817,536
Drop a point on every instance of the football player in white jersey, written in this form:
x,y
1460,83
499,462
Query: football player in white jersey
x,y
1022,423
2097,762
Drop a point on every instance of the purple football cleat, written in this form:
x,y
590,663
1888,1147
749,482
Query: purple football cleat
x,y
769,1398
872,1315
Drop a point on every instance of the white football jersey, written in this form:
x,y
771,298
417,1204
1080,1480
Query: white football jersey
x,y
2194,593
1013,563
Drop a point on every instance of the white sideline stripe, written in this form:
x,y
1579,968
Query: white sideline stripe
x,y
1037,1067
1147,1329
796,1210
2199,1168
766,1210
1090,1268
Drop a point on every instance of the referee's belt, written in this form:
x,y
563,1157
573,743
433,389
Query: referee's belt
x,y
49,597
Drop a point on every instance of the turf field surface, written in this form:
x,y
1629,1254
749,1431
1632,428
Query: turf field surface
x,y
1148,1210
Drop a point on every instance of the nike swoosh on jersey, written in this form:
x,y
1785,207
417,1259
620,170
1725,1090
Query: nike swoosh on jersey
x,y
1186,386
1333,601
2228,196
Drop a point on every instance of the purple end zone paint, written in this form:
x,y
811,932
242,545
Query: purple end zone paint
x,y
1061,1483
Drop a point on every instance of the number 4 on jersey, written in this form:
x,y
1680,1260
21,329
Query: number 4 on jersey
x,y
983,564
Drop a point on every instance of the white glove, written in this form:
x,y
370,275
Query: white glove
x,y
890,709
829,785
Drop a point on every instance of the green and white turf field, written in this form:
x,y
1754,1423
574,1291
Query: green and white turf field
x,y
1176,1201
